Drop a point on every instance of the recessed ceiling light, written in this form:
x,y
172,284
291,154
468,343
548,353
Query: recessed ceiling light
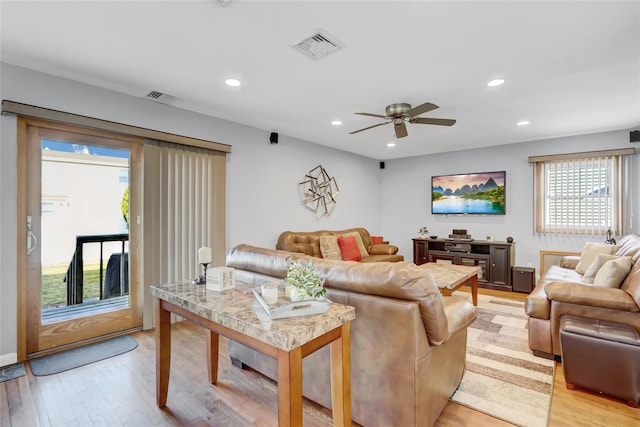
x,y
391,144
232,82
336,122
496,82
523,123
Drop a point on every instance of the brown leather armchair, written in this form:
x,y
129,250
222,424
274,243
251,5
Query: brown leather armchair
x,y
561,291
408,342
308,243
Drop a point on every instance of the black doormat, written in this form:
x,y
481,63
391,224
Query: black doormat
x,y
80,356
11,372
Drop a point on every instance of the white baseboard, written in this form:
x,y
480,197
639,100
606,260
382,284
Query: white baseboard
x,y
8,359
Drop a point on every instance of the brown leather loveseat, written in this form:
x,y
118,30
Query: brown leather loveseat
x,y
308,243
408,342
562,290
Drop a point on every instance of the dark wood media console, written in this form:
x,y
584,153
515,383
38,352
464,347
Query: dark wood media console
x,y
494,258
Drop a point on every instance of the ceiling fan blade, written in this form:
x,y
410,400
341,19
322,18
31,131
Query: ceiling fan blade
x,y
427,121
401,130
421,109
360,130
372,115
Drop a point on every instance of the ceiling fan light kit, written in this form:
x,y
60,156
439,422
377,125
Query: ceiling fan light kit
x,y
402,112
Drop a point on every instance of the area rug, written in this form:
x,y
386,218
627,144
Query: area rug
x,y
503,377
80,356
11,372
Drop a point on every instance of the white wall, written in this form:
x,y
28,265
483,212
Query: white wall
x,y
406,191
262,195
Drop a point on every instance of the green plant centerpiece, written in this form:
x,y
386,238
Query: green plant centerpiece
x,y
306,280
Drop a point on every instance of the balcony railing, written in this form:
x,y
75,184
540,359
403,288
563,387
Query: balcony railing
x,y
75,275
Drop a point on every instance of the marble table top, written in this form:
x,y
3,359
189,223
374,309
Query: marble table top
x,y
237,309
450,275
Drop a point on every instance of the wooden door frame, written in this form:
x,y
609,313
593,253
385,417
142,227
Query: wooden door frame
x,y
130,143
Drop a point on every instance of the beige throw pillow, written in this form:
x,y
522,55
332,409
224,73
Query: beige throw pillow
x,y
595,266
363,250
613,273
591,251
329,247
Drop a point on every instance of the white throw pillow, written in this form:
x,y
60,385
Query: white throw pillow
x,y
329,247
595,266
613,273
591,251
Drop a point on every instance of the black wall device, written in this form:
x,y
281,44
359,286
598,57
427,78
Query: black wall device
x,y
274,137
634,136
381,165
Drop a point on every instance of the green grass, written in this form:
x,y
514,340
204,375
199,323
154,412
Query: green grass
x,y
54,289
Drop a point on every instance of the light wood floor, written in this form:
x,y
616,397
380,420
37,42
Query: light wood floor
x,y
120,391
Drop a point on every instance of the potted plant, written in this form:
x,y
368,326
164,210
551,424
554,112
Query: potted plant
x,y
424,231
306,282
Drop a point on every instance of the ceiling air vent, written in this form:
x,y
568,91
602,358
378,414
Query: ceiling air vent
x,y
318,45
154,95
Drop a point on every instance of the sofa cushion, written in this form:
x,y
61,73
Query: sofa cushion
x,y
399,280
383,258
591,251
349,248
260,260
596,265
613,272
631,284
329,247
590,296
359,242
629,245
377,240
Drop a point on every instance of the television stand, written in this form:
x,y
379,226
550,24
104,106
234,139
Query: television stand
x,y
495,258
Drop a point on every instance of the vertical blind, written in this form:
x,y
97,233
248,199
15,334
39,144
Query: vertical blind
x,y
184,210
582,194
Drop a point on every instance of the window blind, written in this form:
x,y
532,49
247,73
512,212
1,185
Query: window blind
x,y
582,195
184,207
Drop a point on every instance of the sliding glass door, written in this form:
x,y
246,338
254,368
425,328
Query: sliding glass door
x,y
80,269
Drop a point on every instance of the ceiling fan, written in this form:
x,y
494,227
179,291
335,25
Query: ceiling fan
x,y
401,112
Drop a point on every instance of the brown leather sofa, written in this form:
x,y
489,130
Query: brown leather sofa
x,y
561,291
308,243
408,343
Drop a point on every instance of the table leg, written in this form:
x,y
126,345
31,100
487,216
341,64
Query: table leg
x,y
474,289
290,387
341,378
212,356
163,352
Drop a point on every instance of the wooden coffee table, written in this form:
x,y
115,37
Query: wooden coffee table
x,y
450,277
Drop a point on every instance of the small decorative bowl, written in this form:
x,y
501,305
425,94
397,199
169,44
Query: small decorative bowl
x,y
433,237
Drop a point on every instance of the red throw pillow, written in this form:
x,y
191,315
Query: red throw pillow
x,y
376,240
349,248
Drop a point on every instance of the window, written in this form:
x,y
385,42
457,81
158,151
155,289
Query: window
x,y
582,193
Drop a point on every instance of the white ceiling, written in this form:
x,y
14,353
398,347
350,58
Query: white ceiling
x,y
571,67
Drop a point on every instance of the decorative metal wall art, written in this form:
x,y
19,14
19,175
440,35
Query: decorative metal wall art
x,y
318,191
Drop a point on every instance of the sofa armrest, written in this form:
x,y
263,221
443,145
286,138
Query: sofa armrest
x,y
569,261
594,296
382,249
537,304
460,314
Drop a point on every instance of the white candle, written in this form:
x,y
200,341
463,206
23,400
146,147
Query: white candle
x,y
204,255
270,292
